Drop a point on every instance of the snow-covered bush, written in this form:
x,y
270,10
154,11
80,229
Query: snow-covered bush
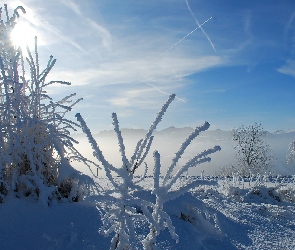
x,y
286,192
122,212
257,188
253,154
35,143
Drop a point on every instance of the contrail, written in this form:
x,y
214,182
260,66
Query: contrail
x,y
163,91
189,8
88,117
187,36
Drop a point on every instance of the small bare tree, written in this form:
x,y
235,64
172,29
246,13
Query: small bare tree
x,y
253,153
291,153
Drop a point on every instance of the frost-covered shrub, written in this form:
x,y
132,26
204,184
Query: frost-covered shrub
x,y
124,207
35,141
253,154
257,188
120,213
262,194
286,193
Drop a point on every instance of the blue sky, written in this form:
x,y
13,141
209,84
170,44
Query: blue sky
x,y
127,56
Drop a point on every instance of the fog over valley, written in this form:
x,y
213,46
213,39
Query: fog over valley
x,y
168,142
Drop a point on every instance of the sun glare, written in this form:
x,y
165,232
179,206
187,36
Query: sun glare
x,y
23,35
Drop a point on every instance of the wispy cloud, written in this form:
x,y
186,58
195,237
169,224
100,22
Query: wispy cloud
x,y
289,23
138,98
74,7
57,33
102,31
237,44
134,103
93,26
167,70
288,68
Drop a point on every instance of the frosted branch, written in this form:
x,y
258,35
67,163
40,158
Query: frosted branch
x,y
155,123
198,159
97,152
183,147
157,167
125,162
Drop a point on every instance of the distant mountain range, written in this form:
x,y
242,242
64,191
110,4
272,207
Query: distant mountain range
x,y
168,141
173,132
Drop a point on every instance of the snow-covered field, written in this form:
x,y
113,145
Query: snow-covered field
x,y
230,215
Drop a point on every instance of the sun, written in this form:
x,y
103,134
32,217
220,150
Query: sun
x,y
23,35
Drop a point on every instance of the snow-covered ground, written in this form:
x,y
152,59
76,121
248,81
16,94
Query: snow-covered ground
x,y
226,216
232,214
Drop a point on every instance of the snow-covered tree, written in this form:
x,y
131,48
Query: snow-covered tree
x,y
36,146
253,153
291,153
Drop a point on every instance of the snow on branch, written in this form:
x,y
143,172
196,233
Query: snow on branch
x,y
125,162
142,146
183,147
96,151
196,160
